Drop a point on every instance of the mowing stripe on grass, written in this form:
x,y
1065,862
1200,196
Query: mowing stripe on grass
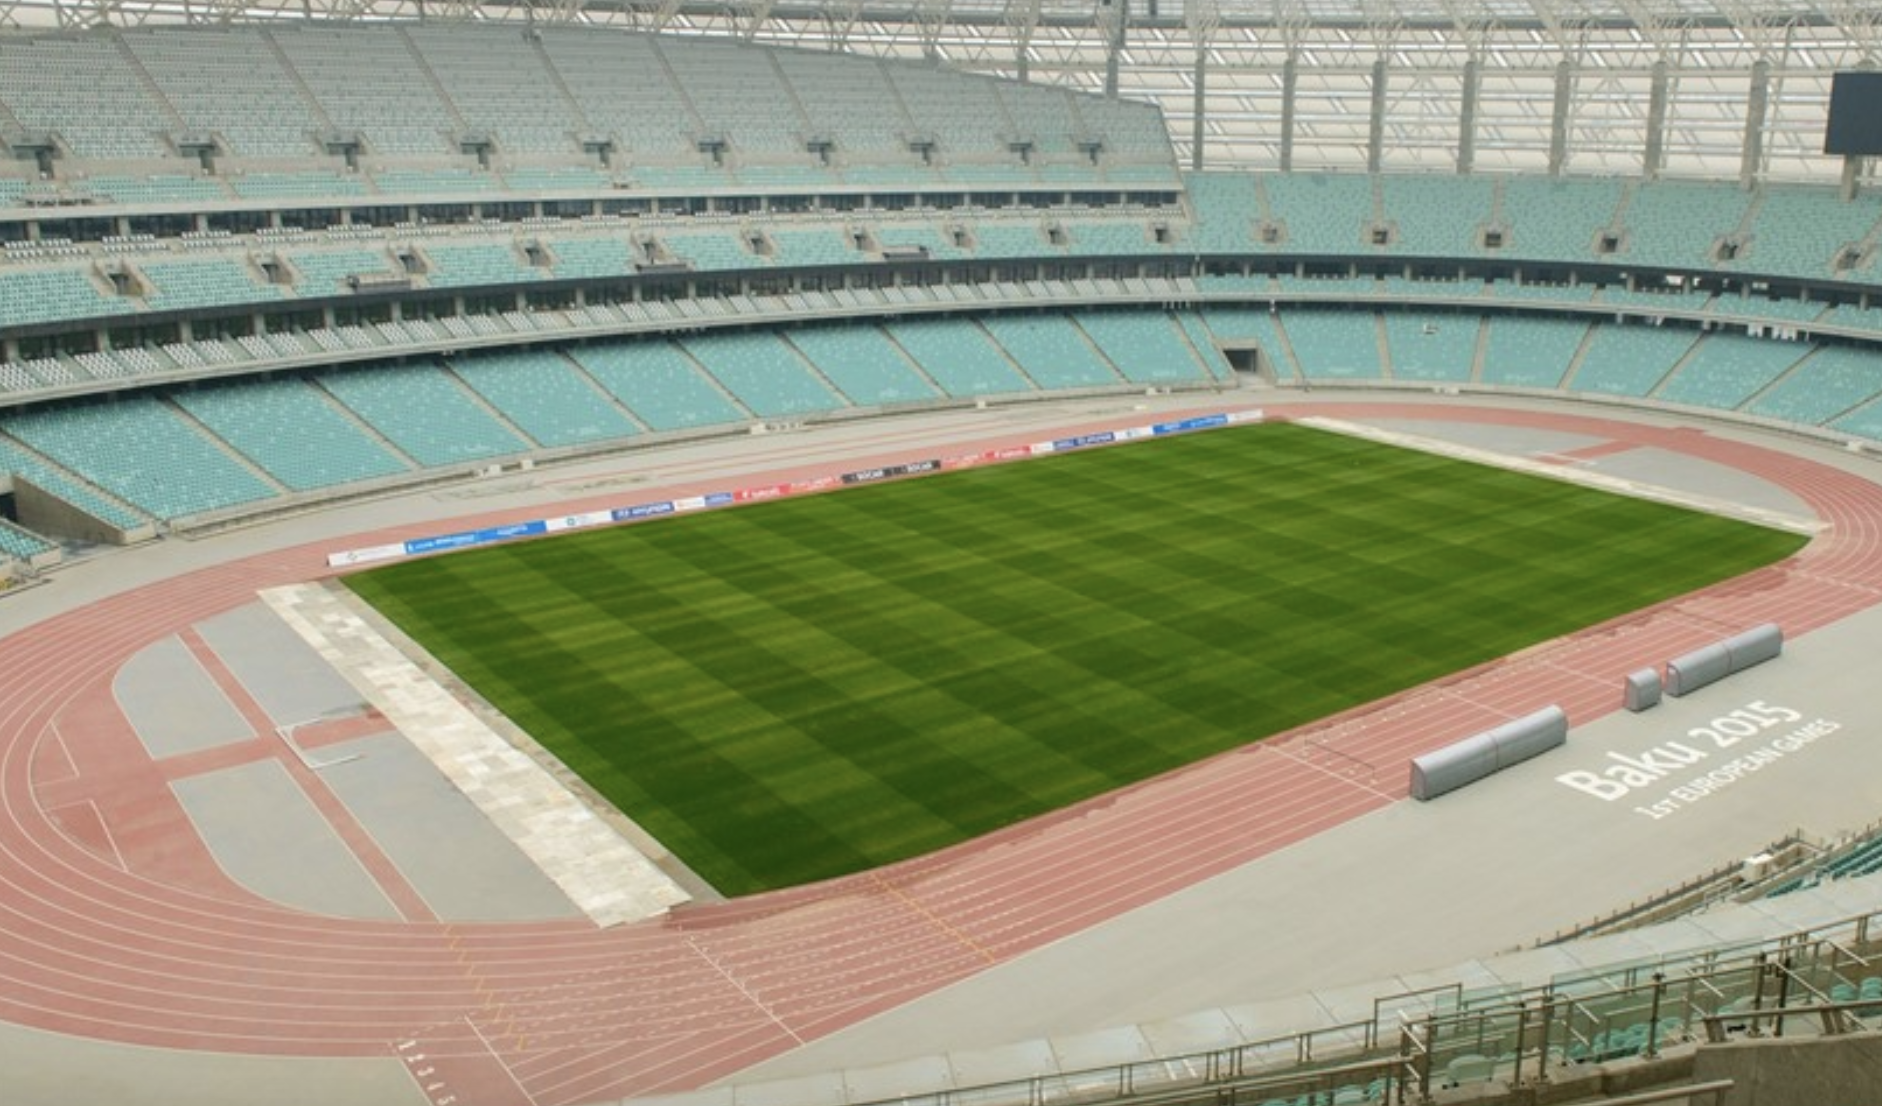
x,y
810,687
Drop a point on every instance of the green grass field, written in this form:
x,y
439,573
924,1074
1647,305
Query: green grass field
x,y
792,691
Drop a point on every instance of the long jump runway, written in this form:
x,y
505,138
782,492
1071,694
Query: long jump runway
x,y
168,953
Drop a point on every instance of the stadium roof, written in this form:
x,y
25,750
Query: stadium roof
x,y
1758,18
1732,89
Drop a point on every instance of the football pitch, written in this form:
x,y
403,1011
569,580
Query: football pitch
x,y
800,689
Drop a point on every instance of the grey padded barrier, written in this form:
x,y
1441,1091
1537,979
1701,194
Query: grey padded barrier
x,y
1464,763
1643,690
1689,673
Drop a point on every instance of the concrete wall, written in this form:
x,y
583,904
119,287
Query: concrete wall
x,y
48,514
1808,1071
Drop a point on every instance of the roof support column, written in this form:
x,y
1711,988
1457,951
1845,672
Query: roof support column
x,y
1290,78
1757,101
1558,117
1467,115
1120,20
1375,140
1656,121
1196,123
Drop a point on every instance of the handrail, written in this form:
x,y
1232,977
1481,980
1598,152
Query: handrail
x,y
1717,1088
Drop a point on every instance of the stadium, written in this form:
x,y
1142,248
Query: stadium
x,y
737,554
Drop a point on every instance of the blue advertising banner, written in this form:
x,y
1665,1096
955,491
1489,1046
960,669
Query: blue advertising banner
x,y
1060,445
1204,422
476,537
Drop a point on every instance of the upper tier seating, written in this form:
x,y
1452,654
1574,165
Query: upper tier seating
x,y
178,285
358,74
291,431
1557,218
224,81
498,81
1676,225
1437,216
614,80
426,414
1225,209
663,388
143,452
863,363
81,89
545,395
1800,231
325,273
1323,213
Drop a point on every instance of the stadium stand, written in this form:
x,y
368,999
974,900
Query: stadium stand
x,y
660,385
1145,347
224,81
1826,384
544,395
48,295
423,412
1677,224
1334,345
1239,326
292,432
181,285
1557,218
764,373
1437,216
961,359
80,89
1725,370
863,364
1432,347
1322,213
1051,351
1630,360
1530,352
143,452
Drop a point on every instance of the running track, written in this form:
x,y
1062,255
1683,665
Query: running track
x,y
167,956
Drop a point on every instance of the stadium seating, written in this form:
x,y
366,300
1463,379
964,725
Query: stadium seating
x,y
1799,231
740,97
1630,359
554,178
423,412
21,544
590,257
505,89
1437,216
292,432
181,285
1725,370
1334,345
1204,344
1432,347
1675,225
434,182
710,252
1239,326
47,478
464,265
141,451
1322,213
48,295
296,186
544,395
1225,209
764,373
855,106
659,384
1829,382
355,73
1557,218
159,188
1531,352
80,88
1050,350
1144,345
325,273
812,247
863,364
960,358
224,81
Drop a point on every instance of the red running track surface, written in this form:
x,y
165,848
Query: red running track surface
x,y
115,924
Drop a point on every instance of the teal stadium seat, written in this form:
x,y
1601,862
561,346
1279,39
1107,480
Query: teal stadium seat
x,y
292,432
545,396
764,373
1050,350
423,412
664,389
960,358
863,364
